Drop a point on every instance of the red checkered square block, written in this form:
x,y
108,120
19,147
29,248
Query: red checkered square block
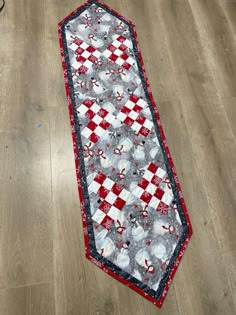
x,y
86,55
100,120
129,114
114,198
117,52
148,189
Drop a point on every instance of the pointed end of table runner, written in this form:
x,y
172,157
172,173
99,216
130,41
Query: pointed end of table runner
x,y
136,225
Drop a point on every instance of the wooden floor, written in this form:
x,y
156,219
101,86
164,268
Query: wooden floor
x,y
189,49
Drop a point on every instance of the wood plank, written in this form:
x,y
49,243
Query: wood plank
x,y
229,8
184,46
25,180
219,43
36,299
230,266
230,108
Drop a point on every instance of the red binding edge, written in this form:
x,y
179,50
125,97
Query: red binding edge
x,y
86,240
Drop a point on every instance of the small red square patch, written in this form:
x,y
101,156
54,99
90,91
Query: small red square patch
x,y
93,137
113,57
116,189
163,208
103,192
121,39
134,98
79,50
144,131
104,124
102,112
88,102
80,59
128,121
152,168
159,193
140,120
156,180
91,125
125,110
124,56
99,178
107,222
137,108
123,47
146,197
92,58
111,48
143,183
105,206
90,49
119,203
126,65
90,114
83,69
78,41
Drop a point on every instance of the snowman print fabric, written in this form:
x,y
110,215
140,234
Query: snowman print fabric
x,y
136,225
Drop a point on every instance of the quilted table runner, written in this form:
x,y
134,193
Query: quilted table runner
x,y
136,225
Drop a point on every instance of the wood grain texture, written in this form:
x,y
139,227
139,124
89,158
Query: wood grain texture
x,y
28,300
189,50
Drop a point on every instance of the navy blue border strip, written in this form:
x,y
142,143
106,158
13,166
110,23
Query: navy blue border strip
x,y
92,247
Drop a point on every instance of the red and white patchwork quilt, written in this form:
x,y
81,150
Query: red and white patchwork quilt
x,y
136,225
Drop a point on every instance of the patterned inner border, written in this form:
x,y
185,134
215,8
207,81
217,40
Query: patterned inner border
x,y
187,230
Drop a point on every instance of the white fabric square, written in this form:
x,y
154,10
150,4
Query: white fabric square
x,y
98,216
76,64
111,198
121,116
73,46
97,119
151,189
85,54
114,213
84,45
87,63
141,103
127,43
129,104
148,124
99,131
148,175
93,187
160,173
95,108
138,191
109,118
124,194
86,132
133,115
118,52
106,53
166,198
82,109
136,126
119,61
130,61
96,53
108,183
154,202
116,43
